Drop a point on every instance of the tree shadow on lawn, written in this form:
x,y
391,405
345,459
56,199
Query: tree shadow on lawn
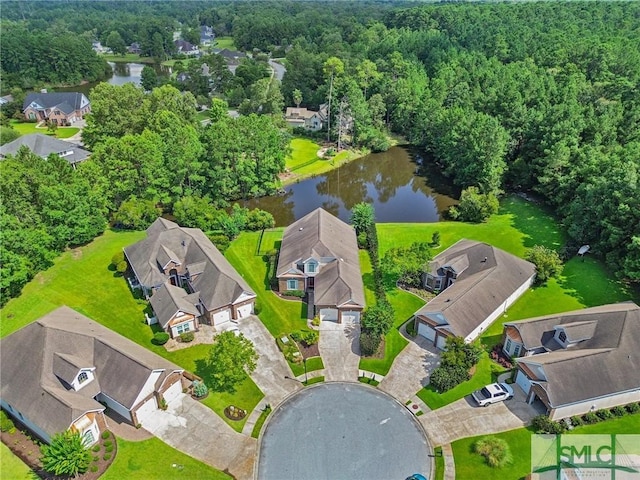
x,y
204,370
535,221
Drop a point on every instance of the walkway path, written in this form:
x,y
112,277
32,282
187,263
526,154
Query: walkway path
x,y
339,347
449,463
411,368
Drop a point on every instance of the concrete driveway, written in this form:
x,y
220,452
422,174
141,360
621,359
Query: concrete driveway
x,y
196,430
411,369
339,347
272,366
464,418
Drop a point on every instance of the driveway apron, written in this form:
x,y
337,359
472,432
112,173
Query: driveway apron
x,y
272,367
196,430
339,347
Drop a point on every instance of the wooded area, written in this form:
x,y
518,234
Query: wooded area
x,y
535,97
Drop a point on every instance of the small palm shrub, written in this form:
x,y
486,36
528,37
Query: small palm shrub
x,y
495,450
66,455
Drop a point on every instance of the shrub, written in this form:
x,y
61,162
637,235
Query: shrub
x,y
604,414
547,261
577,421
307,337
444,378
316,321
187,337
122,267
495,450
66,455
619,411
199,389
633,407
435,239
362,240
542,424
108,449
295,293
6,424
474,206
105,435
369,343
96,448
117,258
106,456
220,241
108,443
96,458
93,468
160,338
591,418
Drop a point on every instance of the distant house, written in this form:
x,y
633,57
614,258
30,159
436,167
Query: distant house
x,y
319,255
44,145
232,57
476,283
134,48
192,280
6,99
185,48
63,108
206,35
60,373
304,118
578,362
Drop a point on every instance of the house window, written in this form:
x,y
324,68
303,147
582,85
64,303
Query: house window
x,y
89,439
562,336
507,346
83,377
311,268
516,351
292,284
183,327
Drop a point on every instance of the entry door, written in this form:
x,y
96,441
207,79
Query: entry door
x,y
311,283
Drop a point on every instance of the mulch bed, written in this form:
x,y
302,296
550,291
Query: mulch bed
x,y
379,353
24,446
308,352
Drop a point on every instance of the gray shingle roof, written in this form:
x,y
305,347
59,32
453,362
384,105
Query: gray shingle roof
x,y
486,277
168,300
65,101
218,283
31,356
606,363
320,235
44,145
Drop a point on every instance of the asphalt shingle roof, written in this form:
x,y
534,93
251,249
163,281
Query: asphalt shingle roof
x,y
44,145
65,101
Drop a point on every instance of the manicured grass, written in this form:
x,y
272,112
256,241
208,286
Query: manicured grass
x,y
439,463
486,372
11,467
314,363
27,128
155,459
255,433
313,380
82,280
246,396
128,58
472,465
246,253
224,42
303,152
629,424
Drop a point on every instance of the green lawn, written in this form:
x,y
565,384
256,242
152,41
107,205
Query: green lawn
x,y
155,459
11,467
26,128
486,372
303,152
224,42
81,279
439,461
281,317
255,433
203,115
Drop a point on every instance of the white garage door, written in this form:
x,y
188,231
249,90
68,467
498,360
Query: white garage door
x,y
245,310
351,317
221,317
523,382
172,392
426,331
147,410
442,341
329,314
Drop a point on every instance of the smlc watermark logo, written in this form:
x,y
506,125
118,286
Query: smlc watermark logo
x,y
582,457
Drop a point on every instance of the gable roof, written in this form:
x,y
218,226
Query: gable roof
x,y
44,145
64,101
218,283
169,299
604,364
320,235
486,278
294,113
36,356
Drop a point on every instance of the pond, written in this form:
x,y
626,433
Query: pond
x,y
401,184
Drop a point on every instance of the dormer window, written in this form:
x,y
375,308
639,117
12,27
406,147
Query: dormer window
x,y
562,336
311,267
83,377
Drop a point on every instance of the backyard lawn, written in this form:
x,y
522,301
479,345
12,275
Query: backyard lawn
x,y
82,280
224,42
26,128
11,467
155,459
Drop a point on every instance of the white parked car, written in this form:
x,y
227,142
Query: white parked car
x,y
496,392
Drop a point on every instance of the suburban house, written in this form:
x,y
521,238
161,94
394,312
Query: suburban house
x,y
60,108
206,288
308,119
578,362
59,372
207,36
44,145
186,48
319,255
134,48
475,283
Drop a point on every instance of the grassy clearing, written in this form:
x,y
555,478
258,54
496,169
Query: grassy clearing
x,y
27,128
281,317
12,467
486,372
155,459
128,58
224,42
82,280
303,152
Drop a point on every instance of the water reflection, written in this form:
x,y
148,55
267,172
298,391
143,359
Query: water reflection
x,y
401,184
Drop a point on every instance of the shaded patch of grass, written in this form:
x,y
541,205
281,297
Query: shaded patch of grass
x,y
255,433
153,458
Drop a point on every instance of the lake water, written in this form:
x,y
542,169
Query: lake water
x,y
401,184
